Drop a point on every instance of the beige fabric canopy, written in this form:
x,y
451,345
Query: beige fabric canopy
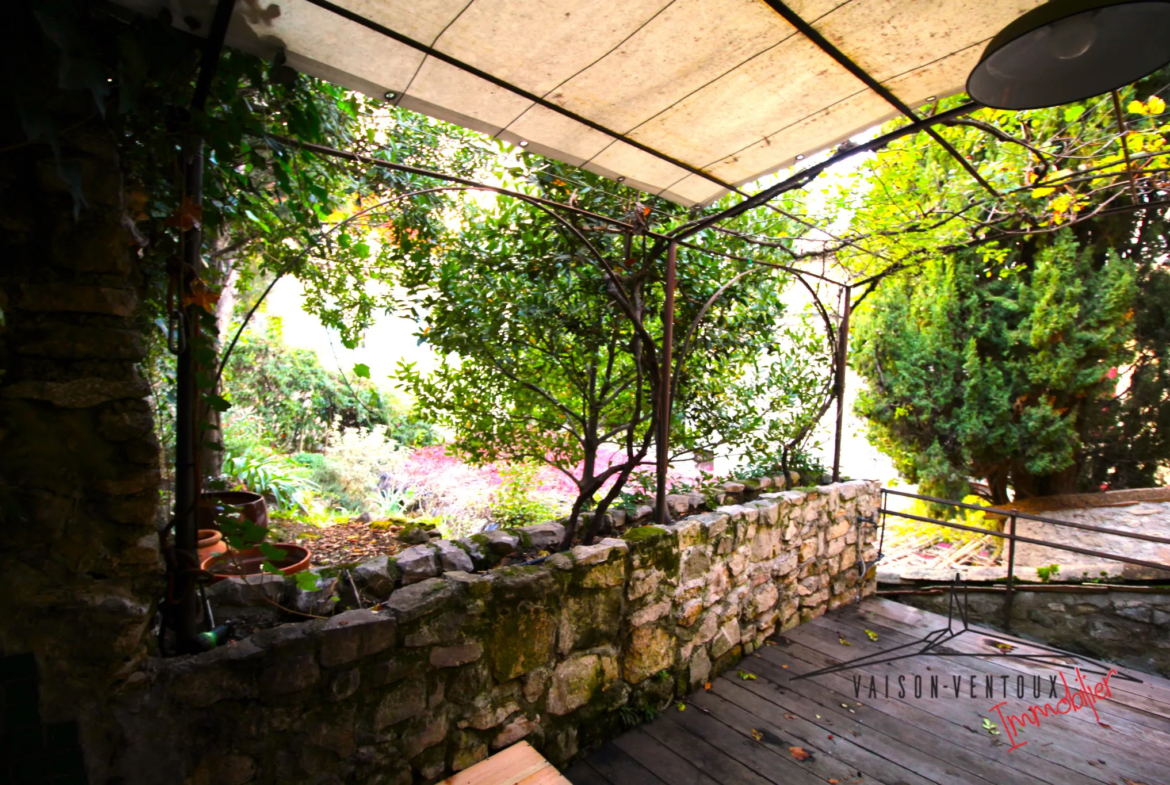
x,y
679,98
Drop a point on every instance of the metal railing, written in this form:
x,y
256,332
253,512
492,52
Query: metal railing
x,y
1012,538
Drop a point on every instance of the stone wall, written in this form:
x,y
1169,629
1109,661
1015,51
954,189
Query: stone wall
x,y
445,670
1110,510
1130,628
79,465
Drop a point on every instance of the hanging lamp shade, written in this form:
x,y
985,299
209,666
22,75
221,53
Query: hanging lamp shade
x,y
1070,50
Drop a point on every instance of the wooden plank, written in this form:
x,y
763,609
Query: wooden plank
x,y
618,766
1076,732
927,755
1117,713
1033,763
835,756
518,764
712,761
949,709
1128,698
913,619
546,776
1072,741
581,773
769,757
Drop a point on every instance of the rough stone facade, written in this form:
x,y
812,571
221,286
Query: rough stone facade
x,y
1138,517
448,669
1136,511
1130,628
79,463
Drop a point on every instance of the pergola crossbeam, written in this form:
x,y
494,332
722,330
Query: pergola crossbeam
x,y
812,34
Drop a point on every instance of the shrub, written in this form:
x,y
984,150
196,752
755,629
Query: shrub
x,y
517,502
273,476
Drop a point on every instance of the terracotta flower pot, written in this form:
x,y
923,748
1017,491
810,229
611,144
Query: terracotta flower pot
x,y
247,562
210,544
244,504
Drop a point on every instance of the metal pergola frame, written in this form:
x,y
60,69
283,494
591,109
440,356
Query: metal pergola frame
x,y
187,481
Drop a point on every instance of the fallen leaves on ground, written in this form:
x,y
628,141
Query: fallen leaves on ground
x,y
744,675
789,716
757,735
873,636
1004,647
682,707
990,727
343,543
842,641
1105,725
707,686
799,753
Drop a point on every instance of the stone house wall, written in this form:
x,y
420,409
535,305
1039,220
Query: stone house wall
x,y
79,462
1139,517
447,669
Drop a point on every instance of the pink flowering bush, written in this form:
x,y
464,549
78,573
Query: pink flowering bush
x,y
462,496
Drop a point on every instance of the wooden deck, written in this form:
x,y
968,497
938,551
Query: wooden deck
x,y
740,732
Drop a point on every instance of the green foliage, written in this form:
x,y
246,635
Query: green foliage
x,y
273,476
803,462
634,715
352,470
1018,273
516,503
300,403
899,528
1045,574
974,373
547,358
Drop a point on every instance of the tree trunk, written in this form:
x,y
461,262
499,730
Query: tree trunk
x,y
586,493
210,458
1028,485
603,506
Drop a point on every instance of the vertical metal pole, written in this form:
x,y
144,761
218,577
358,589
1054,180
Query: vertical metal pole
x,y
842,356
664,382
1007,600
186,612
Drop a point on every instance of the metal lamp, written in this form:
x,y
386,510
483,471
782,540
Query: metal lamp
x,y
1069,50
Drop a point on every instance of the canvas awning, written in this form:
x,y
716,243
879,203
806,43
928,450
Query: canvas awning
x,y
679,98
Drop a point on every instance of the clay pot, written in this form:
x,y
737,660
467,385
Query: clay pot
x,y
247,562
250,506
210,544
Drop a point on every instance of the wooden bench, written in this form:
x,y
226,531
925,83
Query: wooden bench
x,y
520,764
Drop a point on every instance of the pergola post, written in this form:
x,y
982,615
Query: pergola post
x,y
842,357
665,387
184,612
185,607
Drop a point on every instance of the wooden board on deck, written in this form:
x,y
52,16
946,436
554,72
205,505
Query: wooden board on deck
x,y
520,764
742,732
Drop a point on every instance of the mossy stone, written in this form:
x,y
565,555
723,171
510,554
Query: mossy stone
x,y
522,639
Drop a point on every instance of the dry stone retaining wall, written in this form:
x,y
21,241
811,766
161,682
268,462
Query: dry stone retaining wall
x,y
450,668
1129,628
1138,517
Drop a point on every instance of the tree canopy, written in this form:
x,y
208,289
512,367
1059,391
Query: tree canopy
x,y
551,329
1017,338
